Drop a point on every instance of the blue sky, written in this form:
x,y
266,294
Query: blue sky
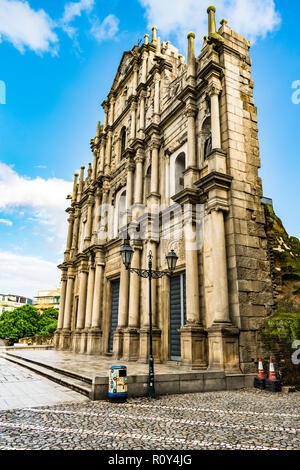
x,y
58,60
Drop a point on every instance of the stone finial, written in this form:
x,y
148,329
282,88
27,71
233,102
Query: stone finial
x,y
154,34
223,22
146,38
211,20
75,187
98,129
158,47
191,59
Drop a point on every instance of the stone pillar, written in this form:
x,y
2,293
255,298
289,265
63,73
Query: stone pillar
x,y
191,173
70,234
97,216
154,34
122,313
60,322
156,116
79,336
135,78
155,166
144,331
139,161
214,91
108,153
88,235
144,68
222,335
66,332
191,63
133,122
146,39
90,295
211,20
142,115
129,186
75,187
111,112
130,334
80,185
94,339
193,341
102,156
191,131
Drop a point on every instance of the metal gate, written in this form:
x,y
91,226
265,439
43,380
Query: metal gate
x,y
115,288
177,313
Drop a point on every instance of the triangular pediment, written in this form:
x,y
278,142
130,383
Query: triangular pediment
x,y
123,68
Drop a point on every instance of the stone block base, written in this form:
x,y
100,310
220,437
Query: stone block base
x,y
56,339
76,343
131,340
118,344
193,347
94,342
223,346
65,340
145,345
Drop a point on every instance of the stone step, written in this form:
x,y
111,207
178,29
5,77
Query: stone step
x,y
77,385
60,371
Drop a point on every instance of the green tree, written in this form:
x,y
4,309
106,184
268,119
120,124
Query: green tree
x,y
27,321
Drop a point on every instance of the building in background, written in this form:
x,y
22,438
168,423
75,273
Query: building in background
x,y
46,299
10,302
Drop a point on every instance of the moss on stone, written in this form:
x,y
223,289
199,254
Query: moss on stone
x,y
211,8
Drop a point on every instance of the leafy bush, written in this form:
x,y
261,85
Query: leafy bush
x,y
276,338
27,321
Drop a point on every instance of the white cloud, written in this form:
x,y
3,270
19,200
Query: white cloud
x,y
25,275
25,27
45,198
105,30
6,222
251,18
73,10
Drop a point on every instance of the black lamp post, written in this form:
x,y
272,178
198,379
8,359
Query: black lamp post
x,y
127,254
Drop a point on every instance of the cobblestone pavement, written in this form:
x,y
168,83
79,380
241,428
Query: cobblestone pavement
x,y
20,388
247,419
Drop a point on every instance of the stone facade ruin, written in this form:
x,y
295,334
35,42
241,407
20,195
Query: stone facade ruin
x,y
175,167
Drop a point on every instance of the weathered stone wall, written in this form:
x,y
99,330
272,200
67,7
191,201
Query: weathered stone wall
x,y
37,340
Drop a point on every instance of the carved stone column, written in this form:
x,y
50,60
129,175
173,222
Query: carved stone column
x,y
156,115
214,91
97,216
79,336
142,115
108,153
88,235
223,336
66,332
62,301
130,334
90,295
94,338
145,330
122,314
75,232
70,234
133,122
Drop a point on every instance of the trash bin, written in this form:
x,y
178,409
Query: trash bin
x,y
117,388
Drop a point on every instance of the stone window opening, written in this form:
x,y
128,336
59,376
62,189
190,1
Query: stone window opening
x,y
179,172
206,138
123,140
120,212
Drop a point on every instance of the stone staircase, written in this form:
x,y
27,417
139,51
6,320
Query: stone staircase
x,y
76,382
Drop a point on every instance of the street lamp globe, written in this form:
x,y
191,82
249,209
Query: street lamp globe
x,y
172,260
126,254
